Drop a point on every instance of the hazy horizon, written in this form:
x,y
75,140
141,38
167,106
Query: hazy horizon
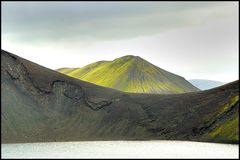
x,y
196,40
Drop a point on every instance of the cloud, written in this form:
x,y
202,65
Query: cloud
x,y
191,39
44,22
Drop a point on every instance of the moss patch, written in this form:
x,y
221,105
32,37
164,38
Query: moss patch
x,y
229,129
229,104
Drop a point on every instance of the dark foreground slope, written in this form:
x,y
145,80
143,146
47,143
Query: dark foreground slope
x,y
40,105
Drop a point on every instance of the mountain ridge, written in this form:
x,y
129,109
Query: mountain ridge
x,y
205,84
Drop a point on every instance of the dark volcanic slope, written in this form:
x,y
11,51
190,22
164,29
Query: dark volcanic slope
x,y
40,105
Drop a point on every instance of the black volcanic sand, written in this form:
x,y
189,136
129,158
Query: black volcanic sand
x,y
42,105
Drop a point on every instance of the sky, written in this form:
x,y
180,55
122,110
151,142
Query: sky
x,y
196,40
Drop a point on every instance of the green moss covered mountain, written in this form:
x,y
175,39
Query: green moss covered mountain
x,y
131,74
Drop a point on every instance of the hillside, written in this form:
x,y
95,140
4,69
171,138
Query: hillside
x,y
205,84
42,105
131,74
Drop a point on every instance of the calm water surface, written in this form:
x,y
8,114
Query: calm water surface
x,y
120,149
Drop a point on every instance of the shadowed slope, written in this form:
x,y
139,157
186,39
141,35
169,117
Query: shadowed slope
x,y
40,105
131,74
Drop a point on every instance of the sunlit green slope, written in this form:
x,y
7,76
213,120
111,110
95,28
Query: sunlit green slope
x,y
227,129
131,74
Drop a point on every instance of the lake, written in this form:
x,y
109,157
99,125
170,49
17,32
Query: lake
x,y
120,149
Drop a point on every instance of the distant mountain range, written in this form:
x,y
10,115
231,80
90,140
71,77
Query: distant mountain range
x,y
42,105
131,74
205,84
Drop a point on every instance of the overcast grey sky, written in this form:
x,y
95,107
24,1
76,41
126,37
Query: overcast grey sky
x,y
191,39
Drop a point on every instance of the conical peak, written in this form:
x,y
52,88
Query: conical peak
x,y
129,57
